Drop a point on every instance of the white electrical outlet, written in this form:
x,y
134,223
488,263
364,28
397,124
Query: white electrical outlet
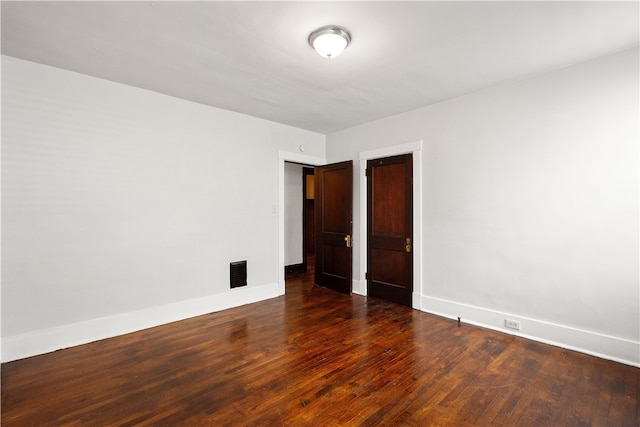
x,y
512,324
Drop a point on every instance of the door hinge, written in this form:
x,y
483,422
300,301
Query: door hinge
x,y
366,276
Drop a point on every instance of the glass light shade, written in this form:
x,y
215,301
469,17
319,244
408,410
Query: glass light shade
x,y
330,41
329,45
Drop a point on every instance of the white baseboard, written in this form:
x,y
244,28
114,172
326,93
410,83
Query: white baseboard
x,y
600,345
47,340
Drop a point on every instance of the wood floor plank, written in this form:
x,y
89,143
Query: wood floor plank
x,y
316,357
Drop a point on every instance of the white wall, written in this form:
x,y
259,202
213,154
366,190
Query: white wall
x,y
122,208
293,213
530,193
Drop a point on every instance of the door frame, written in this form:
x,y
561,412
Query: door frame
x,y
416,149
286,156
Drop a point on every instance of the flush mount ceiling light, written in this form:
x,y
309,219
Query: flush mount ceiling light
x,y
330,41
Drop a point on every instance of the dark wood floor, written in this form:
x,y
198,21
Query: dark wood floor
x,y
316,357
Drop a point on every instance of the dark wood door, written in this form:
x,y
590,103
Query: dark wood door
x,y
390,228
333,220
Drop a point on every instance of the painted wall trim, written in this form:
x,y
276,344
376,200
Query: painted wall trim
x,y
286,156
52,339
359,287
604,346
304,159
415,148
392,150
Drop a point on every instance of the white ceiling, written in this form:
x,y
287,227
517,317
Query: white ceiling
x,y
253,57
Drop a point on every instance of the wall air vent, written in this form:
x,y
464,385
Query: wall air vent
x,y
238,274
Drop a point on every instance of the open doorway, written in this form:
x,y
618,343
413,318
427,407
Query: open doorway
x,y
326,206
299,209
283,158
